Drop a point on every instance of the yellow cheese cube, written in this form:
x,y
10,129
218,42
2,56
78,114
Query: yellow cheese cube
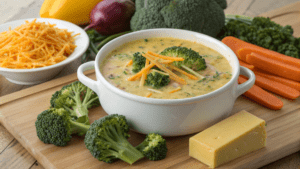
x,y
231,138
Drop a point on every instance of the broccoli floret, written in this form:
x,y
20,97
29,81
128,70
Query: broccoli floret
x,y
54,126
157,80
76,98
192,59
207,15
106,139
143,19
154,5
138,62
154,147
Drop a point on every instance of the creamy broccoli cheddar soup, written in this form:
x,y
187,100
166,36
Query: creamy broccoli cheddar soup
x,y
183,81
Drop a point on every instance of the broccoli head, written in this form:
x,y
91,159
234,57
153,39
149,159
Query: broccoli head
x,y
222,3
54,126
192,59
154,147
138,62
157,79
75,98
205,16
106,139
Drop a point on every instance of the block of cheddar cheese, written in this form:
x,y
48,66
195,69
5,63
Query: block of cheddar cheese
x,y
231,138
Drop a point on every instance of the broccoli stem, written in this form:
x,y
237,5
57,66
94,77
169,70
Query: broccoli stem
x,y
242,18
78,128
69,110
87,97
130,154
122,148
126,151
79,109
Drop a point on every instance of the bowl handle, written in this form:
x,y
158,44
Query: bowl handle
x,y
84,79
242,88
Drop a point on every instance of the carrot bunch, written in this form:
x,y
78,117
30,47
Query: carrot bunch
x,y
275,72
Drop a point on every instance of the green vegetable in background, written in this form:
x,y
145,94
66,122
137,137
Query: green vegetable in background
x,y
92,50
205,16
96,42
263,32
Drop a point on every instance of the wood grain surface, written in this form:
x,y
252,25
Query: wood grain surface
x,y
13,155
19,116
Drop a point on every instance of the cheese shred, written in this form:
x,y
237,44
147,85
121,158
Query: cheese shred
x,y
175,90
34,45
149,94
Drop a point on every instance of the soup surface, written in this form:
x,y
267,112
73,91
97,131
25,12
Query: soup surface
x,y
116,71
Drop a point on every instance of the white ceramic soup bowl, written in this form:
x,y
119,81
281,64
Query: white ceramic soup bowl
x,y
168,117
39,75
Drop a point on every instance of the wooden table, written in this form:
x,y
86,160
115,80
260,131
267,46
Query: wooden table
x,y
13,155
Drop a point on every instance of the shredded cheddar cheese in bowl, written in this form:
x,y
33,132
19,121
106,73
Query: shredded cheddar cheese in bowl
x,y
34,45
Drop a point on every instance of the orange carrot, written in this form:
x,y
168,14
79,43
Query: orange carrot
x,y
149,94
236,44
272,55
290,83
277,88
274,66
140,73
261,96
144,75
175,90
172,75
242,48
183,72
251,67
165,57
255,69
129,63
146,69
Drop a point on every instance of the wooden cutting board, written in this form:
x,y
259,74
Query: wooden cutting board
x,y
18,112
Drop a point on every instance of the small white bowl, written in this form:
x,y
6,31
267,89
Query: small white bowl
x,y
39,75
168,117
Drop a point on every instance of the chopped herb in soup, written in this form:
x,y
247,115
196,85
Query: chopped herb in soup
x,y
166,68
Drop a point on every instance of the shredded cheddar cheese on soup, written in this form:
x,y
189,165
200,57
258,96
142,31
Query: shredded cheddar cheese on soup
x,y
35,44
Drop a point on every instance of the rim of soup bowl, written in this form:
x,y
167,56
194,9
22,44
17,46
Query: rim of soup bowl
x,y
166,101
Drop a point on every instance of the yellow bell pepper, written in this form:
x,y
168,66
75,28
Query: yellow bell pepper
x,y
75,11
